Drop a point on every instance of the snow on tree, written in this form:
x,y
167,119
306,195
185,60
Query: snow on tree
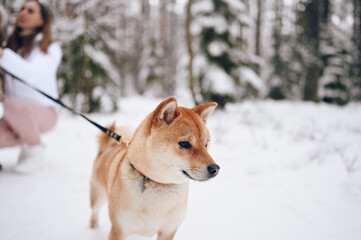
x,y
87,74
223,66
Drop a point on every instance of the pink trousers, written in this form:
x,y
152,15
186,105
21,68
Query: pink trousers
x,y
24,121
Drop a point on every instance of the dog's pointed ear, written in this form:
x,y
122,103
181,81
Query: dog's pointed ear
x,y
206,110
166,111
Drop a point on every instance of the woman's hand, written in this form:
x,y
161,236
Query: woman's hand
x,y
1,51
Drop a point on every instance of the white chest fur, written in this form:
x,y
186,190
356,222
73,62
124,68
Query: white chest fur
x,y
159,206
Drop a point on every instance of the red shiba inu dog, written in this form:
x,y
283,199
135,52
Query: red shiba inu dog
x,y
146,183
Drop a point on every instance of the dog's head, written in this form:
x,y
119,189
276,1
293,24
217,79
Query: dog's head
x,y
177,142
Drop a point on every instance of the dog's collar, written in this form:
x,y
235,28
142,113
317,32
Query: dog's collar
x,y
137,170
141,181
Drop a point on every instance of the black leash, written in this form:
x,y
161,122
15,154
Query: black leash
x,y
107,131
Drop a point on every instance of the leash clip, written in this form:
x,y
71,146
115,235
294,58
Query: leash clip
x,y
118,138
124,141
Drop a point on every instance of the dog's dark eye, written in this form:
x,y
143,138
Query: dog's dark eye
x,y
185,144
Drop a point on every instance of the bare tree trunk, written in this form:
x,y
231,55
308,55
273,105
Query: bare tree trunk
x,y
163,23
277,42
313,53
171,50
190,50
356,10
137,51
145,16
258,26
359,43
325,11
356,93
121,55
164,43
140,28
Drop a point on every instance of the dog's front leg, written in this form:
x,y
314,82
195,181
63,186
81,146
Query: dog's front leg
x,y
162,235
116,233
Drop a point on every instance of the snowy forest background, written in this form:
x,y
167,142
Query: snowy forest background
x,y
209,50
289,169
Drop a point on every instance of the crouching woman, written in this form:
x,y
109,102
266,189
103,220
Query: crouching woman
x,y
31,55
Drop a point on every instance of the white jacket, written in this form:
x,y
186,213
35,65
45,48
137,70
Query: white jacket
x,y
38,69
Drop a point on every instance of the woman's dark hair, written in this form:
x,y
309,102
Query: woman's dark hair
x,y
25,43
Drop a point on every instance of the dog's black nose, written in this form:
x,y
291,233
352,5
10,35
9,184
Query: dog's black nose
x,y
213,170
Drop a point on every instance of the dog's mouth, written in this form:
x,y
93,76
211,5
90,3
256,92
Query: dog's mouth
x,y
189,176
195,179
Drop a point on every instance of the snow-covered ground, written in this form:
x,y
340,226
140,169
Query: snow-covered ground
x,y
289,170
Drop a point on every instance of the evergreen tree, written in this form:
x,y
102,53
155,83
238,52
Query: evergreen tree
x,y
335,80
87,74
324,54
223,65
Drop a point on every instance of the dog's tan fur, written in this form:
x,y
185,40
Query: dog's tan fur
x,y
155,152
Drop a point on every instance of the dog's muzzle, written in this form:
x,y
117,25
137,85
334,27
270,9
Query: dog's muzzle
x,y
212,171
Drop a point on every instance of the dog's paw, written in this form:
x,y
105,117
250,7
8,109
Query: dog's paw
x,y
93,223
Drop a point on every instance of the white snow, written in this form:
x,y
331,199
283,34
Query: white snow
x,y
215,21
202,6
102,59
216,48
248,75
219,81
289,170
